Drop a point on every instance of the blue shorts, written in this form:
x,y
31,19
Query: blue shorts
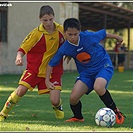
x,y
106,73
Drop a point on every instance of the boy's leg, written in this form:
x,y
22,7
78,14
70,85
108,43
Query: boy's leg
x,y
108,101
57,103
27,81
11,101
76,109
100,84
59,114
55,95
80,88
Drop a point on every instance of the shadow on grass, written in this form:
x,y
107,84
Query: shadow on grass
x,y
34,109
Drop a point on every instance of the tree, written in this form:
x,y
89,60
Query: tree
x,y
127,5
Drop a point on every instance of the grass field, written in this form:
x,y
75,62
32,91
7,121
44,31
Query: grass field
x,y
34,112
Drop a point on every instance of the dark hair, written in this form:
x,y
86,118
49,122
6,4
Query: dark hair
x,y
46,10
72,23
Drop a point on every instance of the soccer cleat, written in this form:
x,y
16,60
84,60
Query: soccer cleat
x,y
59,114
119,116
73,119
2,117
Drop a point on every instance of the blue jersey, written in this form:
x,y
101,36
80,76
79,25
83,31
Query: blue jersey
x,y
88,55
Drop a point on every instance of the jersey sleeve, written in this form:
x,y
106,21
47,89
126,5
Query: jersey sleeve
x,y
29,41
100,35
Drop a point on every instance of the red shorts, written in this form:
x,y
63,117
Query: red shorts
x,y
30,80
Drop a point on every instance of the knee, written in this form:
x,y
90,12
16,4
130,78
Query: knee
x,y
99,90
55,103
21,90
73,100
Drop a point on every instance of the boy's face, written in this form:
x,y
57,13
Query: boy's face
x,y
47,21
72,35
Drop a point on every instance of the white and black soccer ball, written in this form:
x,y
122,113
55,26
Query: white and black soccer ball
x,y
105,117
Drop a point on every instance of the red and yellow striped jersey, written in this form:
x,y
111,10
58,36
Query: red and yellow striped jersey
x,y
40,46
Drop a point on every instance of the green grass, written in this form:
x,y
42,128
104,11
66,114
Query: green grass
x,y
34,112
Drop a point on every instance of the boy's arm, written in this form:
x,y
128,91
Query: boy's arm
x,y
49,84
118,38
53,62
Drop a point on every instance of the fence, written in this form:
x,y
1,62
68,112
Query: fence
x,y
128,62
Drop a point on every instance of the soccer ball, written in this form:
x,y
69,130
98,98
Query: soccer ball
x,y
105,117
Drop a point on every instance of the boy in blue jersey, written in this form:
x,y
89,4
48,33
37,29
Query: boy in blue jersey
x,y
93,64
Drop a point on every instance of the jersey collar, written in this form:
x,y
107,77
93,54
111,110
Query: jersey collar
x,y
41,28
74,44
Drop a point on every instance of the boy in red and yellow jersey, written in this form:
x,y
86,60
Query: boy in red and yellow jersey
x,y
40,45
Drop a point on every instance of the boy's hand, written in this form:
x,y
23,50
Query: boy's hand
x,y
119,39
50,85
19,61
